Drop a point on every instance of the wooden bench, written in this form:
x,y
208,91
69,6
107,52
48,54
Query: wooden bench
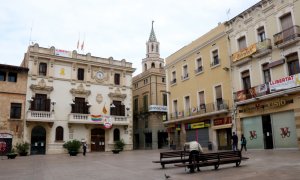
x,y
216,159
172,157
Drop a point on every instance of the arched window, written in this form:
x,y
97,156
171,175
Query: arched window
x,y
116,135
153,65
160,65
156,48
59,133
145,67
152,47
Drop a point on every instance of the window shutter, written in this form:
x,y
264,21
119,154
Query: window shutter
x,y
201,97
218,92
286,21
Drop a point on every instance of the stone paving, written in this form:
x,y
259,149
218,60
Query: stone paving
x,y
137,165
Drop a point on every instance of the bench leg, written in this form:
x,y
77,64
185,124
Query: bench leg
x,y
237,164
163,166
216,166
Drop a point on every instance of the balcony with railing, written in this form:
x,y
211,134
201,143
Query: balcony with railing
x,y
173,81
254,92
202,110
215,62
40,116
288,36
199,70
76,118
185,76
278,87
263,48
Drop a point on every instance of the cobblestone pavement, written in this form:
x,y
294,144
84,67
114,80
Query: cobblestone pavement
x,y
137,165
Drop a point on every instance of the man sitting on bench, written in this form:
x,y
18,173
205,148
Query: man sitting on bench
x,y
195,148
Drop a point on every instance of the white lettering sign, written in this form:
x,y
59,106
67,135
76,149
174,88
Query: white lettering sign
x,y
64,53
5,136
285,83
158,108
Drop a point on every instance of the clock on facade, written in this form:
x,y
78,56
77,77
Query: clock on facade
x,y
99,75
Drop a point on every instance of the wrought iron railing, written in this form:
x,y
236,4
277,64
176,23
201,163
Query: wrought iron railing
x,y
287,34
201,109
199,69
253,92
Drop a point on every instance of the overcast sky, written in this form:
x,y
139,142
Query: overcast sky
x,y
109,28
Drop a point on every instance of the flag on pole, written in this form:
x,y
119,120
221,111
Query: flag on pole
x,y
104,110
82,45
78,44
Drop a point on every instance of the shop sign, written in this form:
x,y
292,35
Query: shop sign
x,y
285,83
158,108
178,127
198,125
63,53
268,105
222,121
244,53
5,136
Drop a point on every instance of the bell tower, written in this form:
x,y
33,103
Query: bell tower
x,y
152,59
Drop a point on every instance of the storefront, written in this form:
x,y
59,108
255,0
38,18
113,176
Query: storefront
x,y
223,128
198,132
271,124
270,131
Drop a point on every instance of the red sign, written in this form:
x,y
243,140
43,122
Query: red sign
x,y
222,121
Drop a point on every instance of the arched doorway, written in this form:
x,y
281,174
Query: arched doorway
x,y
98,139
38,140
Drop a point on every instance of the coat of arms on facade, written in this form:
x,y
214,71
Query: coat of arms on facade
x,y
99,98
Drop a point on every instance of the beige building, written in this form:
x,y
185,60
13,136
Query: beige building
x,y
265,48
199,92
13,82
76,96
150,100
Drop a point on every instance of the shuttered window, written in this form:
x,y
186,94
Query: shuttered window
x,y
242,43
286,21
246,80
218,92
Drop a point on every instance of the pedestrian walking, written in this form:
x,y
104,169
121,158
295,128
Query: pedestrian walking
x,y
84,146
234,140
243,143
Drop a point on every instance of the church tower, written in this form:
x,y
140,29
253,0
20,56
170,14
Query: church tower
x,y
152,59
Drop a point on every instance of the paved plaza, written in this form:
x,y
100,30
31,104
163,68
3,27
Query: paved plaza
x,y
137,165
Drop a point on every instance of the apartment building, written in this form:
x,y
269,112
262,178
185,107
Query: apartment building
x,y
199,92
13,82
76,96
265,48
150,99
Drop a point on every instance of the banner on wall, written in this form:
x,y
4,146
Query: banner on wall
x,y
63,53
285,83
158,108
199,125
107,122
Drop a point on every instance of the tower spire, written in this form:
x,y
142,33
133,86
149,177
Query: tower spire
x,y
152,37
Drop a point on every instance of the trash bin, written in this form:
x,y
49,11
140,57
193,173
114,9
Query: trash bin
x,y
209,146
173,147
